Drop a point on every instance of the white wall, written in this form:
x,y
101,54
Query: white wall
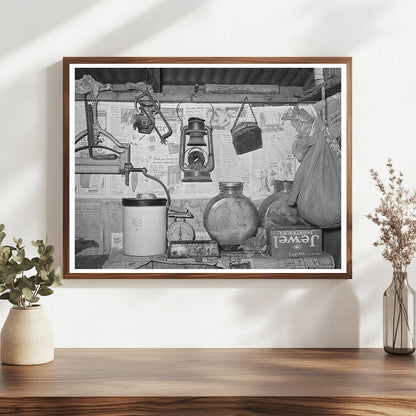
x,y
380,36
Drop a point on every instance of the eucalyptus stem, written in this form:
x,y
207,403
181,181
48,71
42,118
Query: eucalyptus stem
x,y
36,291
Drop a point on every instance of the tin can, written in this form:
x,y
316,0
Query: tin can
x,y
144,226
295,242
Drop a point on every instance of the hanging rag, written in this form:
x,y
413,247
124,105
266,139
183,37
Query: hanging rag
x,y
302,122
88,84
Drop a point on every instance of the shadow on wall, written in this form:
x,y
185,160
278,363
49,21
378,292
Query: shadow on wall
x,y
318,313
4,311
309,313
301,313
39,15
135,29
165,13
54,146
139,28
338,19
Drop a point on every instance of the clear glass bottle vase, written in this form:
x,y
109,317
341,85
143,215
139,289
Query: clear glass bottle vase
x,y
399,316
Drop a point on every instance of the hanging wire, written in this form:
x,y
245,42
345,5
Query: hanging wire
x,y
149,77
333,144
212,115
323,111
165,188
190,96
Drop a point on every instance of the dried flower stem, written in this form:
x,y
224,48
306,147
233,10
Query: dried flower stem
x,y
396,216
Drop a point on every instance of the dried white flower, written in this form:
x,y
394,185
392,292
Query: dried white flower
x,y
396,216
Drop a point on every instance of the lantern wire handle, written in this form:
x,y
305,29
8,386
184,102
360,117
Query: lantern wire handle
x,y
190,96
212,116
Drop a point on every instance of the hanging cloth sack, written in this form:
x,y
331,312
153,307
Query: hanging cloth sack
x,y
88,84
317,185
246,135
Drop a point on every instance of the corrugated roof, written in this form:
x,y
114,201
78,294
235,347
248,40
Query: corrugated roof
x,y
285,77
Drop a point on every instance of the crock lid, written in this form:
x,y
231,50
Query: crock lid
x,y
135,202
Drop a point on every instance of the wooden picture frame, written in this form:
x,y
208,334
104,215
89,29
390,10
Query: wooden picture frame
x,y
92,222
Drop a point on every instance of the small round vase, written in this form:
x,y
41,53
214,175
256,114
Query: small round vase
x,y
27,337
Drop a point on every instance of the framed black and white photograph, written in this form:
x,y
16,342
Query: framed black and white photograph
x,y
207,167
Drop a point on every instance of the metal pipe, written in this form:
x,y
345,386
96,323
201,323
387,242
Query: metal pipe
x,y
105,167
153,178
241,89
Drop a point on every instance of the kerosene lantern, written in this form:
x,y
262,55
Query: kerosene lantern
x,y
196,156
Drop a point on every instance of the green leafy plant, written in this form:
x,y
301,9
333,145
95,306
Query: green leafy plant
x,y
16,285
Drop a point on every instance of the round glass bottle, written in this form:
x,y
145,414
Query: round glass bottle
x,y
399,316
274,211
230,217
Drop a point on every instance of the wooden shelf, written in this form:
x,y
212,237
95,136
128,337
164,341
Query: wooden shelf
x,y
212,382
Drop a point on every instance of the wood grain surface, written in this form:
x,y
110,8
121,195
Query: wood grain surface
x,y
212,381
208,406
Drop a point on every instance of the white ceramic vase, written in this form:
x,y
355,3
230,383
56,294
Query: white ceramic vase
x,y
27,337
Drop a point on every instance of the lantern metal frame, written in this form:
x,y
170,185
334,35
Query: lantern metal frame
x,y
199,169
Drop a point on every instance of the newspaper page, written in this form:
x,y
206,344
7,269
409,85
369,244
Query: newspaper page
x,y
257,169
98,196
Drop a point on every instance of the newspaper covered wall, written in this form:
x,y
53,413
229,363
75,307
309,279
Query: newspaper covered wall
x,y
98,197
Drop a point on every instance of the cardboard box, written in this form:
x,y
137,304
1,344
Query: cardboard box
x,y
295,242
320,261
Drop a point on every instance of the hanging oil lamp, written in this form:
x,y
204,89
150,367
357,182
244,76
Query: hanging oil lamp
x,y
196,155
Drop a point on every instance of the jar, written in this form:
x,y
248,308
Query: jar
x,y
399,316
230,218
144,226
274,211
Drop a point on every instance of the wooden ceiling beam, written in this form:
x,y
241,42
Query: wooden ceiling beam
x,y
277,99
316,94
175,94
